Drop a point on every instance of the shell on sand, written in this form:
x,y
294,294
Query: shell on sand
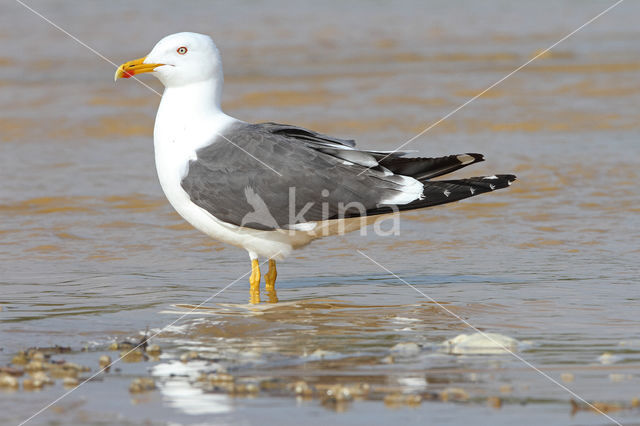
x,y
480,344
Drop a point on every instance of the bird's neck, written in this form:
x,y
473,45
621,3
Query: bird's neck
x,y
193,100
190,116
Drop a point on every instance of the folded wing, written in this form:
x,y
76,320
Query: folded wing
x,y
313,177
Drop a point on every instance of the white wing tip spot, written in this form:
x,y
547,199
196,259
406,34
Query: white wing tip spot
x,y
465,159
447,193
492,186
472,190
490,177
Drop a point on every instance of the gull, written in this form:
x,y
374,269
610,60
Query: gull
x,y
271,188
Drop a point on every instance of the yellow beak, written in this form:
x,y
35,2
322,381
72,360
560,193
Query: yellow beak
x,y
131,68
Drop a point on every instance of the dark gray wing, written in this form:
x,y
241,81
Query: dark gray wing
x,y
340,148
393,161
306,134
318,177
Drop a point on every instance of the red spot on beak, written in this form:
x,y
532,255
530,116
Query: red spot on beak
x,y
127,74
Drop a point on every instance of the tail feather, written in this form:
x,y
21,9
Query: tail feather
x,y
448,191
428,168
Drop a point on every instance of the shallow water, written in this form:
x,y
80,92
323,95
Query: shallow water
x,y
91,253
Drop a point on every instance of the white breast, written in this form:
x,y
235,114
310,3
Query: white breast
x,y
176,141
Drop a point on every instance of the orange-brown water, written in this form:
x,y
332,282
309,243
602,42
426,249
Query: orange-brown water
x,y
91,252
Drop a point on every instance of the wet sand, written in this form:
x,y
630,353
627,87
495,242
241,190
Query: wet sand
x,y
91,254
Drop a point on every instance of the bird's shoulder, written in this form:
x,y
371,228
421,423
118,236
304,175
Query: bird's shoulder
x,y
276,133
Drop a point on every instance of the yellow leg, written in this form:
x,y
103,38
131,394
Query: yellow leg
x,y
254,282
270,281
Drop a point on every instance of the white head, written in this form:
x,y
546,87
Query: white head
x,y
179,59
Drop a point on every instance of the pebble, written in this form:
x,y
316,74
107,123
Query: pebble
x,y
105,362
481,344
37,356
243,389
567,377
61,372
395,400
360,390
154,350
142,384
74,366
413,400
34,366
454,394
617,377
32,384
608,358
20,359
70,382
68,369
494,402
12,371
186,357
7,381
343,392
506,389
49,351
606,407
336,397
272,385
596,406
413,384
42,377
220,378
406,349
337,393
129,355
302,389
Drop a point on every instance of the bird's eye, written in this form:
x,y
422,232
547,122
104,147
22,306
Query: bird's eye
x,y
182,50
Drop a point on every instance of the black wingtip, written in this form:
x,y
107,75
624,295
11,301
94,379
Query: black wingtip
x,y
499,181
477,157
510,178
